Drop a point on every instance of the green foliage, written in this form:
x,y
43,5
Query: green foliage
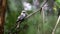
x,y
32,25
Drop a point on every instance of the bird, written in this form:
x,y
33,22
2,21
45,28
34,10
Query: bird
x,y
18,21
21,17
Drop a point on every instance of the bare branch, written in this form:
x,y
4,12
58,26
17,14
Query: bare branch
x,y
56,25
38,9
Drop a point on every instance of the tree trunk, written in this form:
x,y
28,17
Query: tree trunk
x,y
2,15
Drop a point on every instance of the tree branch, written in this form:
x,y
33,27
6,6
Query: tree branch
x,y
56,25
38,9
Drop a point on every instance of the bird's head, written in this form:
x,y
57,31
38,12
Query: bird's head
x,y
23,11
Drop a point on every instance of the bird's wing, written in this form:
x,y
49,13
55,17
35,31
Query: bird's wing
x,y
21,17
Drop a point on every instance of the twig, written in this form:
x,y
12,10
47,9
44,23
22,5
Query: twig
x,y
37,10
56,25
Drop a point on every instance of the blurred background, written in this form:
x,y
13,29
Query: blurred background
x,y
42,22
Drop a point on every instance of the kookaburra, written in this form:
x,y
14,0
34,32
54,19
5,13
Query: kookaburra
x,y
22,16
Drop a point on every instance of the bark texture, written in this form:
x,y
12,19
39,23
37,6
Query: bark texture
x,y
2,15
